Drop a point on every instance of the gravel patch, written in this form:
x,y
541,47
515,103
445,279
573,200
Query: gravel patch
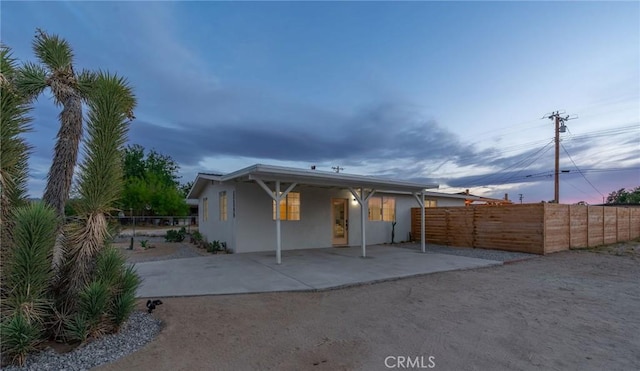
x,y
139,330
497,255
183,251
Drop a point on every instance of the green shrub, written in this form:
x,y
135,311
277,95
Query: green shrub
x,y
196,237
18,337
109,266
124,301
175,236
27,270
214,246
77,328
93,303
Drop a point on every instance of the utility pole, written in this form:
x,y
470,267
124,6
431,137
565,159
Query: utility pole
x,y
560,128
521,197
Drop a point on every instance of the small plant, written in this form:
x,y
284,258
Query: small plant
x,y
175,235
144,244
196,237
214,247
124,302
77,328
19,337
93,303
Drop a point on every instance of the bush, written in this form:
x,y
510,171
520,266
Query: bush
x,y
77,328
175,236
124,300
121,282
93,304
196,237
216,246
27,269
18,337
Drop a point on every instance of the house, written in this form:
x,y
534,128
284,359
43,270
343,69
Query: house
x,y
479,200
316,208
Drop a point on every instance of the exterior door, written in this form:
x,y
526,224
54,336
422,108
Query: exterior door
x,y
340,221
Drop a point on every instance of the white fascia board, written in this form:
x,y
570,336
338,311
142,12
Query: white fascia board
x,y
323,178
198,185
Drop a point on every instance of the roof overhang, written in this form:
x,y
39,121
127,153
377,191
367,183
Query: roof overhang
x,y
318,178
268,173
199,184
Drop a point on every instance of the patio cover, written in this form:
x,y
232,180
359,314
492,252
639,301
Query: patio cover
x,y
273,178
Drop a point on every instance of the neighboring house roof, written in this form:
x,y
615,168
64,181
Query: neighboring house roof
x,y
268,173
487,200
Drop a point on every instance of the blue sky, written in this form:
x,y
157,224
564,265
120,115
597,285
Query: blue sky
x,y
450,92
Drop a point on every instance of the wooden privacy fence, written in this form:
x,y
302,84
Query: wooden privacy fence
x,y
531,228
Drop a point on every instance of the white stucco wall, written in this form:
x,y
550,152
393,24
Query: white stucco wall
x,y
213,228
253,228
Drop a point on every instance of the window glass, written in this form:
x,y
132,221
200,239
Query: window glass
x,y
289,207
389,209
375,208
223,205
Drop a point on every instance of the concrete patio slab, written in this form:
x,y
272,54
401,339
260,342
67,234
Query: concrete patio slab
x,y
301,270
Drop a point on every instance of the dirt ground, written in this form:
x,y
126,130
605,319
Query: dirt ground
x,y
155,249
575,310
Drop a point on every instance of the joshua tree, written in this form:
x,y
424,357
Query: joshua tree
x,y
99,180
92,290
14,151
55,71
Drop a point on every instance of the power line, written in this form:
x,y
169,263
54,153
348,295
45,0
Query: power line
x,y
522,161
579,171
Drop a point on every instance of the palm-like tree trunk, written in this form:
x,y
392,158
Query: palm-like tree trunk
x,y
65,156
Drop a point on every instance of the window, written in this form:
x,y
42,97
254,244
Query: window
x,y
289,207
375,209
205,209
388,209
430,203
382,209
222,196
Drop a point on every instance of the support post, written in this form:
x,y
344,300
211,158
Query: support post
x,y
420,200
556,181
363,200
277,197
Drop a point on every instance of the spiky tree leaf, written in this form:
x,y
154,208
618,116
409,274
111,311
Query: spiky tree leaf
x,y
14,151
53,51
31,80
28,264
94,302
18,338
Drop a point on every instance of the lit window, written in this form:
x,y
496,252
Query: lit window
x,y
205,209
375,209
388,209
430,203
223,205
382,209
289,207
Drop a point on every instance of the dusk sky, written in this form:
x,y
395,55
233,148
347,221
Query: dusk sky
x,y
452,93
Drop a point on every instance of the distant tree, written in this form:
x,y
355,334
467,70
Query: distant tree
x,y
622,196
151,184
186,187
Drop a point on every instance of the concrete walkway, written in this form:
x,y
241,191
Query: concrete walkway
x,y
301,270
